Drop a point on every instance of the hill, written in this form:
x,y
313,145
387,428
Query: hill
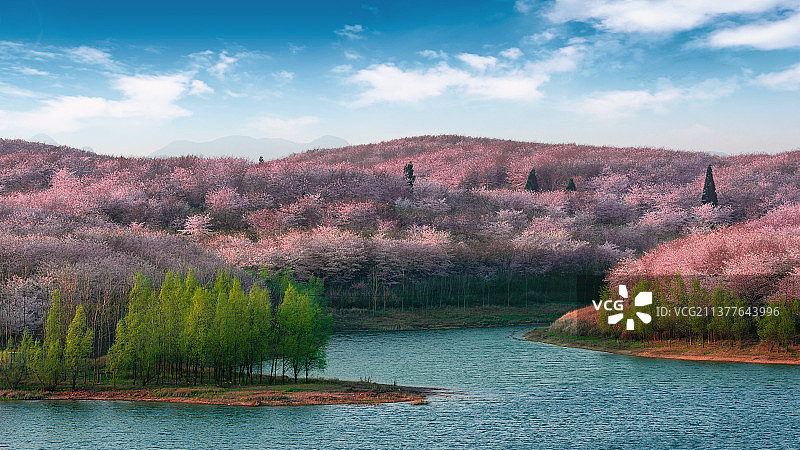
x,y
466,232
245,147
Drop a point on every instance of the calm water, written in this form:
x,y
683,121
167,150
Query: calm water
x,y
510,393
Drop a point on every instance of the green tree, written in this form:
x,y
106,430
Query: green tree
x,y
709,189
408,174
305,330
260,328
699,322
46,358
12,365
532,184
121,355
79,345
571,186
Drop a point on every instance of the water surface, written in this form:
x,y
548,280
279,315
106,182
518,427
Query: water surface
x,y
508,393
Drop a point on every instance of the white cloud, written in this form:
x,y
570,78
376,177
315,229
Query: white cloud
x,y
198,87
788,80
31,71
615,104
433,54
24,51
351,31
389,83
287,128
351,55
539,38
622,103
763,35
295,49
344,68
565,59
478,62
511,53
373,9
283,76
524,6
13,91
232,94
90,55
223,65
144,97
655,16
32,52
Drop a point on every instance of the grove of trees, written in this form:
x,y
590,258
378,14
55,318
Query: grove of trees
x,y
183,332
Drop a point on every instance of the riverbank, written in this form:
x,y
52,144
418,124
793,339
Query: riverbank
x,y
359,319
712,352
315,392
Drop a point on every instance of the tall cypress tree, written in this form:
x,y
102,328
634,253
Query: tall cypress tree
x,y
709,189
408,173
532,184
571,185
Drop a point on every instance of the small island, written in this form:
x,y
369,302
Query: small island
x,y
312,392
186,341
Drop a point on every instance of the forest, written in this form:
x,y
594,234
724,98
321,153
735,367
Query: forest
x,y
417,222
181,333
751,266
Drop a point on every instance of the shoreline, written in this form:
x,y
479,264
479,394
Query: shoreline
x,y
315,392
350,320
680,350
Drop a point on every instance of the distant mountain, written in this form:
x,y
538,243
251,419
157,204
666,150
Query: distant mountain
x,y
44,139
246,147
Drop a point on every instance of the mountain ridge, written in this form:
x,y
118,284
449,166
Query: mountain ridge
x,y
246,147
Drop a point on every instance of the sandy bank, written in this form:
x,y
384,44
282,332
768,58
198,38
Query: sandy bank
x,y
328,393
725,352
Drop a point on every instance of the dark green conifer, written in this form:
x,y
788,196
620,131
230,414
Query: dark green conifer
x,y
709,189
408,173
532,184
571,186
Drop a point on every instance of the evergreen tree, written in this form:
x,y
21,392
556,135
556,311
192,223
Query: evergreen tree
x,y
408,173
709,189
571,186
532,184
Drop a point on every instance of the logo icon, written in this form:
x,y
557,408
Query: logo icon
x,y
641,299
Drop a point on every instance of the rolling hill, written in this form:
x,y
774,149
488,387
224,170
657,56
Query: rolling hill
x,y
245,147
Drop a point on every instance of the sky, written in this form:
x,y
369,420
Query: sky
x,y
127,78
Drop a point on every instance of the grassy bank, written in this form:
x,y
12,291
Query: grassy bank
x,y
314,392
722,351
390,319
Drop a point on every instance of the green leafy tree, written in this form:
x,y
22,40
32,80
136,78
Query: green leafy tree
x,y
12,364
78,345
121,355
46,358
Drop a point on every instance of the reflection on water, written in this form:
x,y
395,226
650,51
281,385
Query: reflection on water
x,y
510,393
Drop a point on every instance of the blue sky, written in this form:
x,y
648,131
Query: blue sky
x,y
130,77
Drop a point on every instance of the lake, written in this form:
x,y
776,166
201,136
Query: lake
x,y
505,392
